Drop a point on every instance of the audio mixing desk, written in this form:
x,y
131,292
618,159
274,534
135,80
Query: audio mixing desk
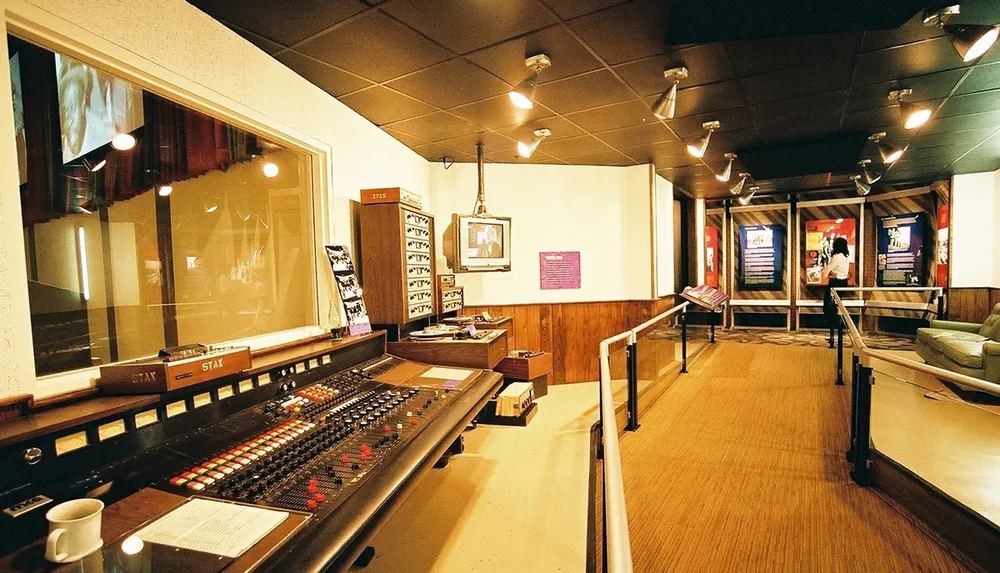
x,y
336,440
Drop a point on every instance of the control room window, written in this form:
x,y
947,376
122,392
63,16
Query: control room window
x,y
148,224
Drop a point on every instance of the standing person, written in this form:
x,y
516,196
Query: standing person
x,y
836,272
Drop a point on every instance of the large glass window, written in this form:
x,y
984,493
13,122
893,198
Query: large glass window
x,y
148,224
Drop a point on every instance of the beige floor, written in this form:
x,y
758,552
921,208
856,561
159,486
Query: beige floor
x,y
516,500
954,445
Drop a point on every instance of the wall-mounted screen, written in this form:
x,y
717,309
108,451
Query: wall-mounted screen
x,y
482,243
761,257
901,250
94,106
819,247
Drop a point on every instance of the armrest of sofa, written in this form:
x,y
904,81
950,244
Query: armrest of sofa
x,y
991,348
955,325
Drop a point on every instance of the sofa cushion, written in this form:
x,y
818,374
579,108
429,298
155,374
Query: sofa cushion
x,y
991,326
969,354
929,335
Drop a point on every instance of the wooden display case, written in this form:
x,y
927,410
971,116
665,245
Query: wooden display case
x,y
451,299
397,254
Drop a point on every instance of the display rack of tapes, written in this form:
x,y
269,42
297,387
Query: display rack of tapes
x,y
451,298
397,253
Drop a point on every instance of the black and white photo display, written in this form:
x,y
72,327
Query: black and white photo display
x,y
349,288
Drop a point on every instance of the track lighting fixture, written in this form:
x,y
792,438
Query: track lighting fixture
x,y
727,170
666,104
699,146
869,175
526,149
738,188
862,187
523,94
914,115
745,199
970,41
888,153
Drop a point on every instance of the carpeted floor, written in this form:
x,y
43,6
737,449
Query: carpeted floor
x,y
739,466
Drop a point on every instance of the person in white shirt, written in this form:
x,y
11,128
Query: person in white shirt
x,y
836,273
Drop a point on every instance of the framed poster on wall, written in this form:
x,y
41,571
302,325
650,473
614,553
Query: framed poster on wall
x,y
819,247
712,256
761,257
942,239
901,250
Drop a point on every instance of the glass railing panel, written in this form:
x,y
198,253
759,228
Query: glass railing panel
x,y
618,363
946,435
658,360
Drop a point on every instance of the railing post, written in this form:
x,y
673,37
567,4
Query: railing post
x,y
684,342
840,351
711,320
854,406
632,369
862,439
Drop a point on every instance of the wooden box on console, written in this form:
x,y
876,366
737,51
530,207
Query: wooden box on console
x,y
482,353
535,370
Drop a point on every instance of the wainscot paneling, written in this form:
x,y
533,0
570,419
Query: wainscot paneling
x,y
971,304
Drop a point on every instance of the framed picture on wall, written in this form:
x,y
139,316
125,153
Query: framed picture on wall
x,y
761,257
819,247
900,260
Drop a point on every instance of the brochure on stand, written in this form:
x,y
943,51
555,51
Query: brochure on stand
x,y
705,297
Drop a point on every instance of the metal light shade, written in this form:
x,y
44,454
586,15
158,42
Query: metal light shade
x,y
972,41
727,171
523,95
889,153
745,199
699,146
738,188
526,149
123,141
666,105
870,175
862,187
913,115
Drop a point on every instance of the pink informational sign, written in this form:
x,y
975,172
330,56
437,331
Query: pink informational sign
x,y
559,269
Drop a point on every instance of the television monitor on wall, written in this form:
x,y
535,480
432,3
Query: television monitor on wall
x,y
482,243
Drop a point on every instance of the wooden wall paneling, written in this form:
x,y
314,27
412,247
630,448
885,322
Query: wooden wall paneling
x,y
970,304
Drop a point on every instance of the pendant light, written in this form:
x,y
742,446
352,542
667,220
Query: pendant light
x,y
523,94
970,40
913,115
526,149
888,153
698,147
869,175
666,104
727,170
862,187
745,199
738,188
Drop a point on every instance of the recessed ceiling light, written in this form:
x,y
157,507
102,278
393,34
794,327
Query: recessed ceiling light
x,y
699,146
666,104
727,170
523,94
526,149
123,141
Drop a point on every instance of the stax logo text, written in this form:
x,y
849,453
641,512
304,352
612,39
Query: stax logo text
x,y
144,377
211,364
380,195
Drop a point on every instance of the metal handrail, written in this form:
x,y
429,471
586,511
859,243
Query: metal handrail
x,y
865,354
619,548
658,318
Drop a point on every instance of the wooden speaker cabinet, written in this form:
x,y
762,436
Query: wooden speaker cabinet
x,y
397,254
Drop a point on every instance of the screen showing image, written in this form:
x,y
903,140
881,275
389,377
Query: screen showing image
x,y
94,106
485,240
899,239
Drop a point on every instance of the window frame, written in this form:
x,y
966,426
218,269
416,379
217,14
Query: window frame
x,y
52,33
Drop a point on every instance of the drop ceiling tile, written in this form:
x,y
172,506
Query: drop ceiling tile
x,y
960,123
625,114
451,83
637,135
980,102
705,99
498,112
333,81
283,22
435,152
969,137
383,106
912,31
463,26
611,157
662,155
928,86
569,57
569,9
750,58
511,156
730,119
574,146
583,92
436,126
948,153
974,163
784,84
706,63
407,140
261,42
561,129
376,47
812,109
923,57
492,142
982,78
625,32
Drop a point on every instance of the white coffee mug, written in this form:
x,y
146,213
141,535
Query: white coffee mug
x,y
74,530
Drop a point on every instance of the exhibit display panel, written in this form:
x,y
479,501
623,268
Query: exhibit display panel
x,y
760,266
148,224
901,251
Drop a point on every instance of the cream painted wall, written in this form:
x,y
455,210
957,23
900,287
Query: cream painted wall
x,y
172,47
975,230
663,242
603,212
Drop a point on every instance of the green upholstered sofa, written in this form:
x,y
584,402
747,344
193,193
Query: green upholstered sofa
x,y
964,347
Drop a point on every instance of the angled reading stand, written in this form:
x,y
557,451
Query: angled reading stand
x,y
711,299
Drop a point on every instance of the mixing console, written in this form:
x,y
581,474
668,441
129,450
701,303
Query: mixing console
x,y
322,442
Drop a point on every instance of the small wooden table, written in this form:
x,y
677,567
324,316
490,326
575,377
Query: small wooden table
x,y
535,370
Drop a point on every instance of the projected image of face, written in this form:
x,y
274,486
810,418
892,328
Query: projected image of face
x,y
485,240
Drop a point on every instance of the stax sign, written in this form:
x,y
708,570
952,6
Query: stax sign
x,y
211,364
